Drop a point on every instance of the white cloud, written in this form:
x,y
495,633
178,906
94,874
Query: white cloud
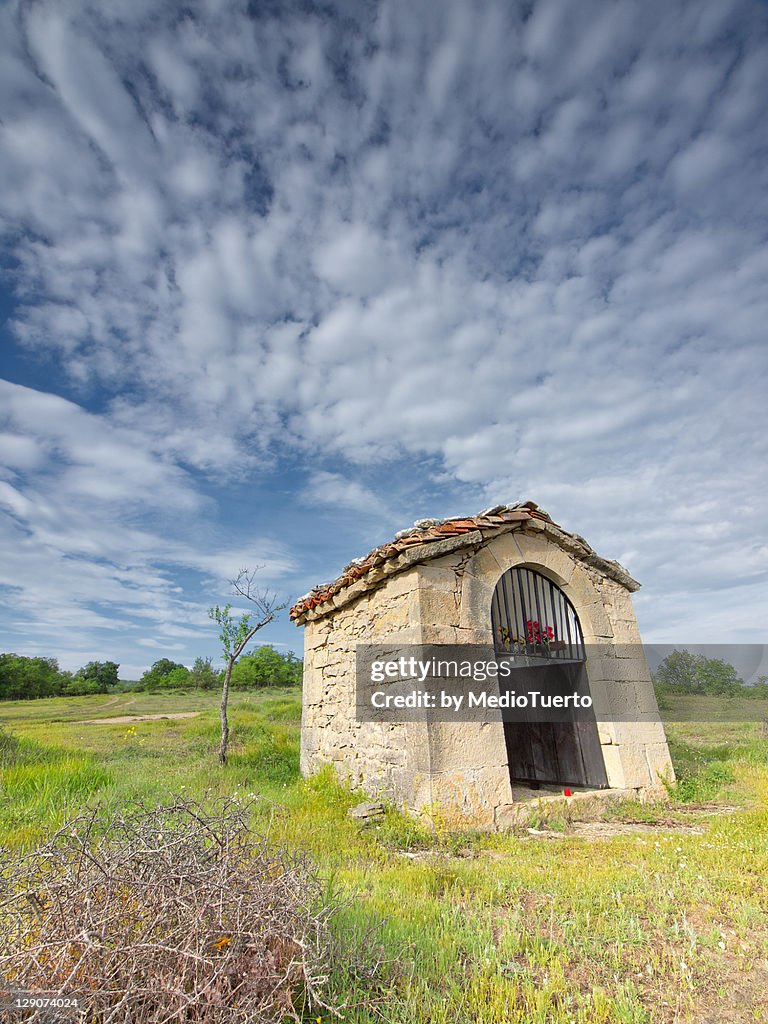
x,y
700,163
358,261
99,528
528,251
335,490
161,645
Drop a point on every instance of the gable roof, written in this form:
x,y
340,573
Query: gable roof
x,y
432,538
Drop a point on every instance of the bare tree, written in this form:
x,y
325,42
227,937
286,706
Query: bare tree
x,y
235,635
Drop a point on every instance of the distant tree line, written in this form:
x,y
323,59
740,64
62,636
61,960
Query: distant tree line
x,y
24,678
264,667
684,672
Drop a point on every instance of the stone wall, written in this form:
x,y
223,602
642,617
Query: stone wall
x,y
385,759
462,767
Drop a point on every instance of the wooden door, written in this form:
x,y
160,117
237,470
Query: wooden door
x,y
533,620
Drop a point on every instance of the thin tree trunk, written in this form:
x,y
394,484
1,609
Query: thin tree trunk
x,y
223,713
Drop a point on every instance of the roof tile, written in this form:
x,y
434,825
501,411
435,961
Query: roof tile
x,y
429,531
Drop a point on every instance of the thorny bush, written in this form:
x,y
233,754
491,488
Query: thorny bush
x,y
175,914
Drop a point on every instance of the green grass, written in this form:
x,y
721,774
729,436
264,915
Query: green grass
x,y
683,707
663,925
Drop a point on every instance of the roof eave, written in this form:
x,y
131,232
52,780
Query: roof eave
x,y
371,572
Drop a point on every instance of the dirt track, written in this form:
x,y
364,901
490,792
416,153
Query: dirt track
x,y
129,719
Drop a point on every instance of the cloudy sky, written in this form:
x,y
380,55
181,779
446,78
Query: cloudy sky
x,y
279,278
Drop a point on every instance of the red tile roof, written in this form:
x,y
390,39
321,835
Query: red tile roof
x,y
405,550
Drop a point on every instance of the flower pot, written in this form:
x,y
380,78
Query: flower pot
x,y
546,650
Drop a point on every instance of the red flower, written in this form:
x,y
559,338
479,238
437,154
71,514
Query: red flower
x,y
538,633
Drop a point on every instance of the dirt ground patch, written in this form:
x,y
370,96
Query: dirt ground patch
x,y
664,823
130,719
607,829
600,829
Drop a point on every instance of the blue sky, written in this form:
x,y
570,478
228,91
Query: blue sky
x,y
281,278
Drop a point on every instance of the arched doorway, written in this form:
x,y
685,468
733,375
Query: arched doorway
x,y
536,626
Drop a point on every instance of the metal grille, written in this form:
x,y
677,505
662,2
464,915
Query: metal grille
x,y
531,615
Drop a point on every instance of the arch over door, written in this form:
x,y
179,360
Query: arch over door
x,y
531,616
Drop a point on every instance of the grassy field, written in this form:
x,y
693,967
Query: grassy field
x,y
686,708
656,914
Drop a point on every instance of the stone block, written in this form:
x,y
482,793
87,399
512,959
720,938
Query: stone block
x,y
415,790
392,618
315,636
660,763
367,811
392,632
625,631
606,733
476,597
595,624
470,797
506,550
533,549
631,669
439,634
398,584
467,745
438,607
435,576
480,634
485,565
581,590
614,767
634,763
560,566
625,702
618,601
601,698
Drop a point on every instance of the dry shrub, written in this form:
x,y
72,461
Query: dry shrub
x,y
176,914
